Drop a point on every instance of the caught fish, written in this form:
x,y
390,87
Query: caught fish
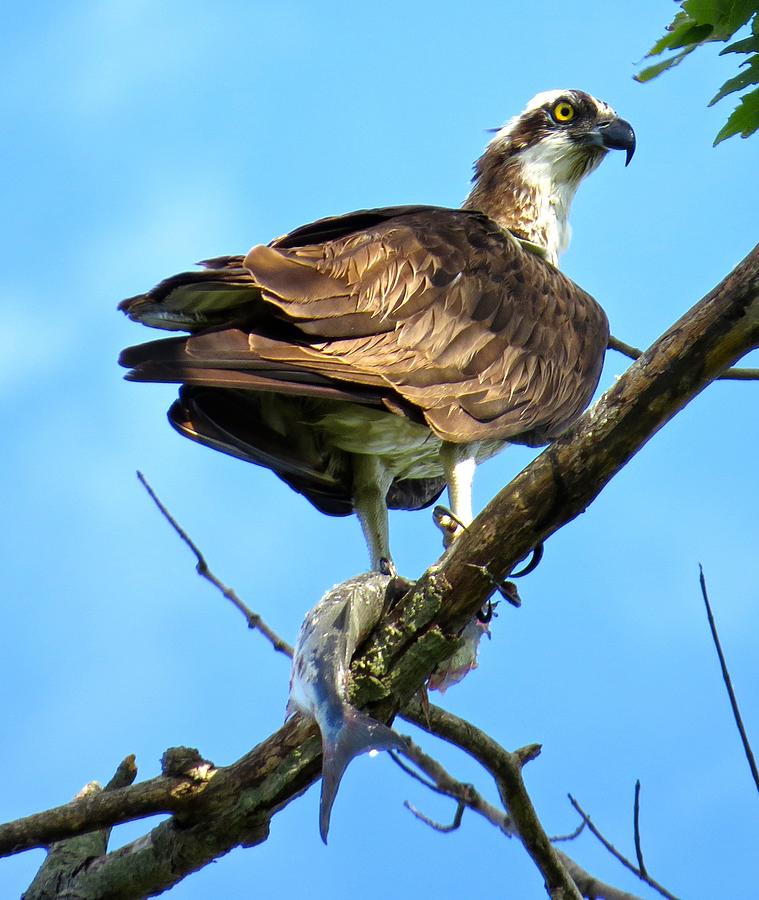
x,y
326,643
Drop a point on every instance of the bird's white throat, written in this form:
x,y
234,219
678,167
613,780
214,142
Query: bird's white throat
x,y
547,170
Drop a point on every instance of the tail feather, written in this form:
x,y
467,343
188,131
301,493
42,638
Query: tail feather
x,y
355,734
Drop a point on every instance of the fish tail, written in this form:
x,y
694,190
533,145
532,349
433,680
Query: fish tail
x,y
352,734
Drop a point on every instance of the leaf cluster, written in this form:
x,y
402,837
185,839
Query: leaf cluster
x,y
700,22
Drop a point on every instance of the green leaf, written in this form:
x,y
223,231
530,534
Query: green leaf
x,y
740,11
703,11
700,21
750,76
744,119
693,34
726,16
680,22
652,71
662,44
747,45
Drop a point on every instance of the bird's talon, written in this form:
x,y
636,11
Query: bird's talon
x,y
449,523
485,615
387,567
537,555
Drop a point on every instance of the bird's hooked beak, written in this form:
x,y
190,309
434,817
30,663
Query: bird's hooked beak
x,y
615,135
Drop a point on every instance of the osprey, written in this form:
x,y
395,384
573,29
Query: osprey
x,y
372,358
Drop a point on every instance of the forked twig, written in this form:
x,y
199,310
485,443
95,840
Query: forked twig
x,y
442,782
620,856
438,779
728,683
253,619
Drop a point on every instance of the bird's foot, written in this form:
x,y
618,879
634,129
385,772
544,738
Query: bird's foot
x,y
398,586
387,567
507,589
448,523
452,527
535,557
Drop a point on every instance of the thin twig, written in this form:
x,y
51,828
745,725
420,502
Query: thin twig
x,y
737,374
428,783
506,770
619,856
558,838
438,826
461,733
253,619
636,829
728,683
442,782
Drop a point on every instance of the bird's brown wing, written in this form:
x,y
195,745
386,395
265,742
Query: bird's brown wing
x,y
484,339
223,293
436,313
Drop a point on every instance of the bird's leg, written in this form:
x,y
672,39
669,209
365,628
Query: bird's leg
x,y
371,482
459,462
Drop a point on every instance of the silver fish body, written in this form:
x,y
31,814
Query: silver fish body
x,y
324,648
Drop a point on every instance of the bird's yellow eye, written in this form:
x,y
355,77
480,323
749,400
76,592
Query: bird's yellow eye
x,y
563,111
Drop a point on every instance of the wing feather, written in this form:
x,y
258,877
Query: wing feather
x,y
440,309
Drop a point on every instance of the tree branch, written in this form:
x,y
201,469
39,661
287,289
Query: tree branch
x,y
253,619
235,806
493,758
444,783
644,876
636,830
506,769
728,375
66,859
728,682
97,809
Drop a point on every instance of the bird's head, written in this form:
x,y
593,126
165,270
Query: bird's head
x,y
531,168
567,132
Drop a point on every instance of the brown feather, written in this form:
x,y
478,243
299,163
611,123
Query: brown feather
x,y
439,308
383,333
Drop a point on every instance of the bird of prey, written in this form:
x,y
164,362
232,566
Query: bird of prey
x,y
372,358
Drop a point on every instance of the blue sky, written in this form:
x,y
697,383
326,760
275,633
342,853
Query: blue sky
x,y
140,137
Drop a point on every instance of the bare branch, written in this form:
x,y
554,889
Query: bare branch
x,y
461,733
559,838
253,619
636,830
437,826
728,682
506,769
430,785
728,375
96,809
443,783
124,774
619,856
66,859
589,886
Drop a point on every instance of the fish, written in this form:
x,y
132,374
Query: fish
x,y
327,640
